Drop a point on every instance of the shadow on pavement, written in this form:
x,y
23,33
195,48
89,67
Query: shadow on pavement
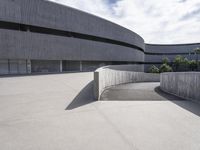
x,y
165,95
84,97
188,105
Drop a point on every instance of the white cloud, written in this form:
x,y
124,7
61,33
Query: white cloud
x,y
157,21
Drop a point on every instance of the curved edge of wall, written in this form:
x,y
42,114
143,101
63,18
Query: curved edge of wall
x,y
182,84
108,76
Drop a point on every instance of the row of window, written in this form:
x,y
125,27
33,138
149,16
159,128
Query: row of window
x,y
150,53
43,30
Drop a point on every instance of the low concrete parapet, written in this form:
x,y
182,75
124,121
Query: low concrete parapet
x,y
108,76
182,84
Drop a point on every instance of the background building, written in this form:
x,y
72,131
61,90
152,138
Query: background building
x,y
154,53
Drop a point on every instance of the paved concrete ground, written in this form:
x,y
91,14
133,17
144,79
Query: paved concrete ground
x,y
51,112
137,91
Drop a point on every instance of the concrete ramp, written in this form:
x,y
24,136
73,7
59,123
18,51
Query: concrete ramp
x,y
137,91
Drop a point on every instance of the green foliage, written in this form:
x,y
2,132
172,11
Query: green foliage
x,y
193,65
178,60
197,50
153,69
165,60
186,61
165,68
183,64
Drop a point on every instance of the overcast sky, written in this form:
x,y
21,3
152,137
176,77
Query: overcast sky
x,y
157,21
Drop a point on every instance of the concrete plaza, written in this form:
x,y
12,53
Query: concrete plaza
x,y
58,112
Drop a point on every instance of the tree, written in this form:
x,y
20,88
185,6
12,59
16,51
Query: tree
x,y
165,60
178,60
186,64
197,52
185,61
193,65
153,69
165,68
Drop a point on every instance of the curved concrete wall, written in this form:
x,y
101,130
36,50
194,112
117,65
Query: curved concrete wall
x,y
106,77
183,84
39,32
51,15
166,49
18,45
66,18
155,52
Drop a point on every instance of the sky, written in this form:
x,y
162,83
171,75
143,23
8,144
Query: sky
x,y
157,21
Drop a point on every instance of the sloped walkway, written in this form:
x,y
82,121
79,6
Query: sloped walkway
x,y
148,91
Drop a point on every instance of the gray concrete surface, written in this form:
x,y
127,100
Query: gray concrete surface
x,y
51,112
183,84
112,75
149,91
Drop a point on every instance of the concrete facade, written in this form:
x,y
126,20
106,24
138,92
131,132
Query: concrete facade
x,y
154,53
183,84
106,77
30,32
46,31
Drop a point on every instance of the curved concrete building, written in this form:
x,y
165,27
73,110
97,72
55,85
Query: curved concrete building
x,y
154,53
42,36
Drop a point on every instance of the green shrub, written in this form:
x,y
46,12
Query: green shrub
x,y
186,61
165,68
193,65
165,60
179,61
153,69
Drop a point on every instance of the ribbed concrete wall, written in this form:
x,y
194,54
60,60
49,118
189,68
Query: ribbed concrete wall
x,y
176,48
10,11
106,77
48,14
18,45
155,53
183,84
